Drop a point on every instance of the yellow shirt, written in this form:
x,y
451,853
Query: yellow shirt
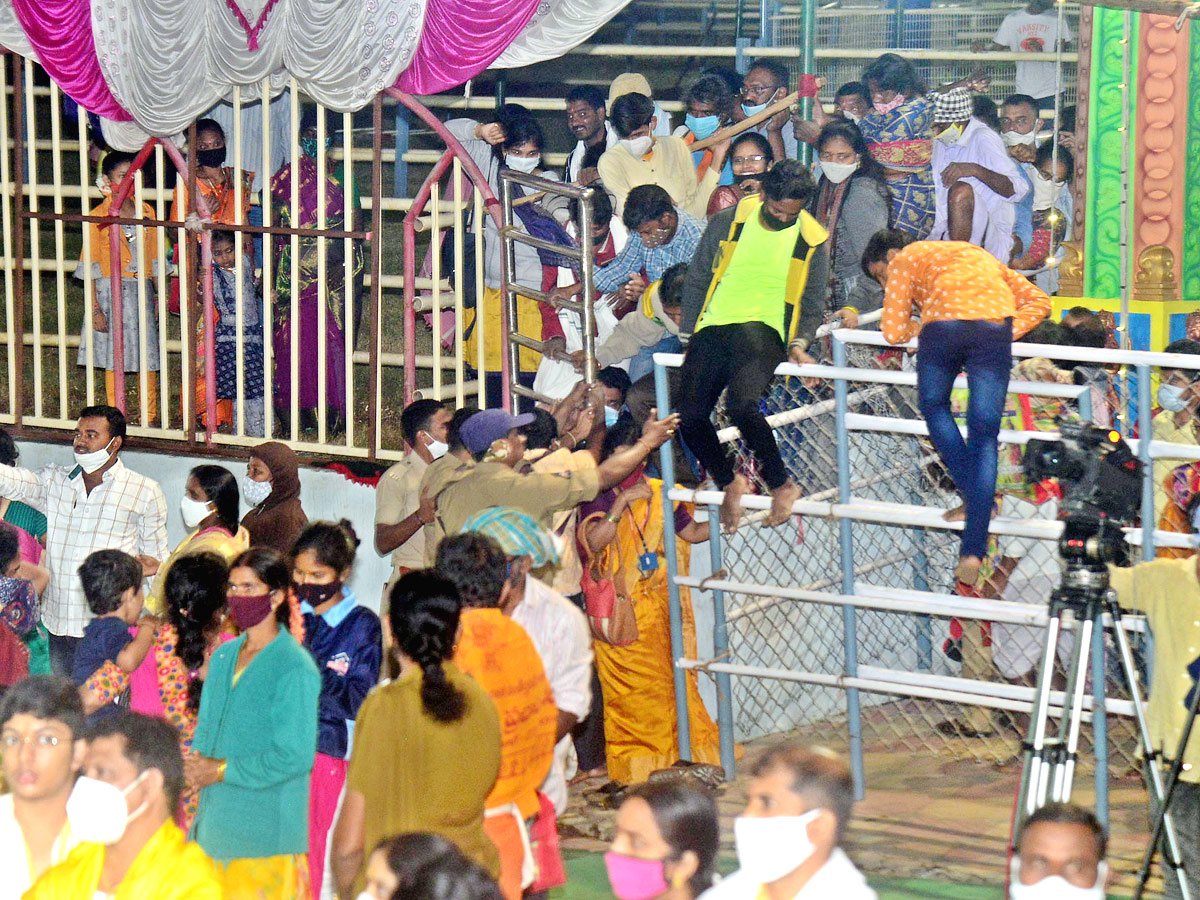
x,y
168,867
1168,592
754,286
669,165
951,280
209,540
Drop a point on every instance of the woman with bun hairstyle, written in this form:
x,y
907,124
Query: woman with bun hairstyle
x,y
346,643
426,746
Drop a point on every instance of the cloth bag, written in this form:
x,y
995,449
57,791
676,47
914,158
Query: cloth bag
x,y
609,607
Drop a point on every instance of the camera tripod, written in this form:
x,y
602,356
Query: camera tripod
x,y
1049,764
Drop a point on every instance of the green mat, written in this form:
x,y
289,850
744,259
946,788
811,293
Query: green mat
x,y
587,880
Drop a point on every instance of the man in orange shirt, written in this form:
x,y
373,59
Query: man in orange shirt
x,y
498,653
971,308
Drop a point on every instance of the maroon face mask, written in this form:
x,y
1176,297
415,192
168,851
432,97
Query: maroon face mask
x,y
247,612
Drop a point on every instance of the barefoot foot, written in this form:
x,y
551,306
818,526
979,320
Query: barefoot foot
x,y
782,499
967,570
956,514
731,506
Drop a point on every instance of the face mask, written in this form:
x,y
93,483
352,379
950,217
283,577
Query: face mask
x,y
838,172
97,812
91,462
193,511
774,222
1016,139
635,879
637,147
1045,190
437,449
210,159
1055,887
758,107
768,849
524,164
247,612
894,103
255,492
610,416
701,126
950,135
853,117
316,594
308,146
1170,398
740,180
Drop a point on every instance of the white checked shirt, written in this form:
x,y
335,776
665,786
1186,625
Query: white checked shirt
x,y
126,511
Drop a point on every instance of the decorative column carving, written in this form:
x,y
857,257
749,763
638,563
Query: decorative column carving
x,y
1190,269
1083,94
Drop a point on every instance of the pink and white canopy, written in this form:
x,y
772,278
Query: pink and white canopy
x,y
162,63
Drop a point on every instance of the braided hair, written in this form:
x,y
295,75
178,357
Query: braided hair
x,y
424,611
194,592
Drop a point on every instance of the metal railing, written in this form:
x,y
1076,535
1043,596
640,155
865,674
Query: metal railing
x,y
841,636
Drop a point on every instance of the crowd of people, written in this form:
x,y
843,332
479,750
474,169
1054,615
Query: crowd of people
x,y
228,718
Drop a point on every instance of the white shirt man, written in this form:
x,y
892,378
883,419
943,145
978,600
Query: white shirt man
x,y
1060,853
97,504
1034,29
787,838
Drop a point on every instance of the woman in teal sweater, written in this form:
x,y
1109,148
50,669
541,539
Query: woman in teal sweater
x,y
255,740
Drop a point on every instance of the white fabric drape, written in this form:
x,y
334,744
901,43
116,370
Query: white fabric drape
x,y
12,36
167,61
557,26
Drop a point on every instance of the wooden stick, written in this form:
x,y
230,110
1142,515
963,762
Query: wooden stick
x,y
746,123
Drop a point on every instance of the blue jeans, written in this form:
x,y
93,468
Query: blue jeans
x,y
643,363
984,349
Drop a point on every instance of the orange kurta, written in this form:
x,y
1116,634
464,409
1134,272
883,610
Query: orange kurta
x,y
499,654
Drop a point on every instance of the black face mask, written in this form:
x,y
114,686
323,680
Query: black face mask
x,y
210,159
740,180
774,222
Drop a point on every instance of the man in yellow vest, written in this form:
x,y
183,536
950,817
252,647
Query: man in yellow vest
x,y
756,285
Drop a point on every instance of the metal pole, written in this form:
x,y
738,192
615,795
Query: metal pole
x,y
400,178
1099,721
808,55
510,357
898,25
721,648
666,462
18,348
377,265
846,540
586,270
1145,430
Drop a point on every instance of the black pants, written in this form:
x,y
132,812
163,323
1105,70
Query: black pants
x,y
62,654
588,735
741,358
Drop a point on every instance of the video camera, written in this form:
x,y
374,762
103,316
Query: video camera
x,y
1102,490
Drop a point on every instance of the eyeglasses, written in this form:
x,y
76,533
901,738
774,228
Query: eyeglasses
x,y
41,741
755,90
742,160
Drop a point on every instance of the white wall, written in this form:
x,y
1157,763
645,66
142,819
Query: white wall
x,y
324,495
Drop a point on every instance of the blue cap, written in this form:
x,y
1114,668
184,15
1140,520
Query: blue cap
x,y
487,426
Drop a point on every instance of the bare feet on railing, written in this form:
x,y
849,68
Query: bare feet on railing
x,y
782,499
967,570
731,506
957,514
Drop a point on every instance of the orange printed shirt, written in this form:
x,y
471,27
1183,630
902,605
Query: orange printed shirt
x,y
499,654
951,280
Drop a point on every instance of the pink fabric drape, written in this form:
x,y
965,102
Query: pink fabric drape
x,y
61,33
462,38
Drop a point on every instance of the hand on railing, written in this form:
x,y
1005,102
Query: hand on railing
x,y
194,224
578,359
798,356
555,348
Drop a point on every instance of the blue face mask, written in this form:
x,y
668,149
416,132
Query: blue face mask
x,y
753,110
610,416
1170,397
702,126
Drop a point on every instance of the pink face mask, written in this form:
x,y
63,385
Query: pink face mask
x,y
883,108
635,879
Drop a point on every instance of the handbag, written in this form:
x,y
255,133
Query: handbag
x,y
609,607
543,841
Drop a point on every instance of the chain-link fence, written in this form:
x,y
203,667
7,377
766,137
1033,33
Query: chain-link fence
x,y
937,655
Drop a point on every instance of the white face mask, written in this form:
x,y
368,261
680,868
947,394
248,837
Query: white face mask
x,y
193,511
91,462
853,117
1170,398
524,164
637,147
838,172
1055,887
255,492
950,135
437,449
97,812
1045,191
768,849
1015,138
